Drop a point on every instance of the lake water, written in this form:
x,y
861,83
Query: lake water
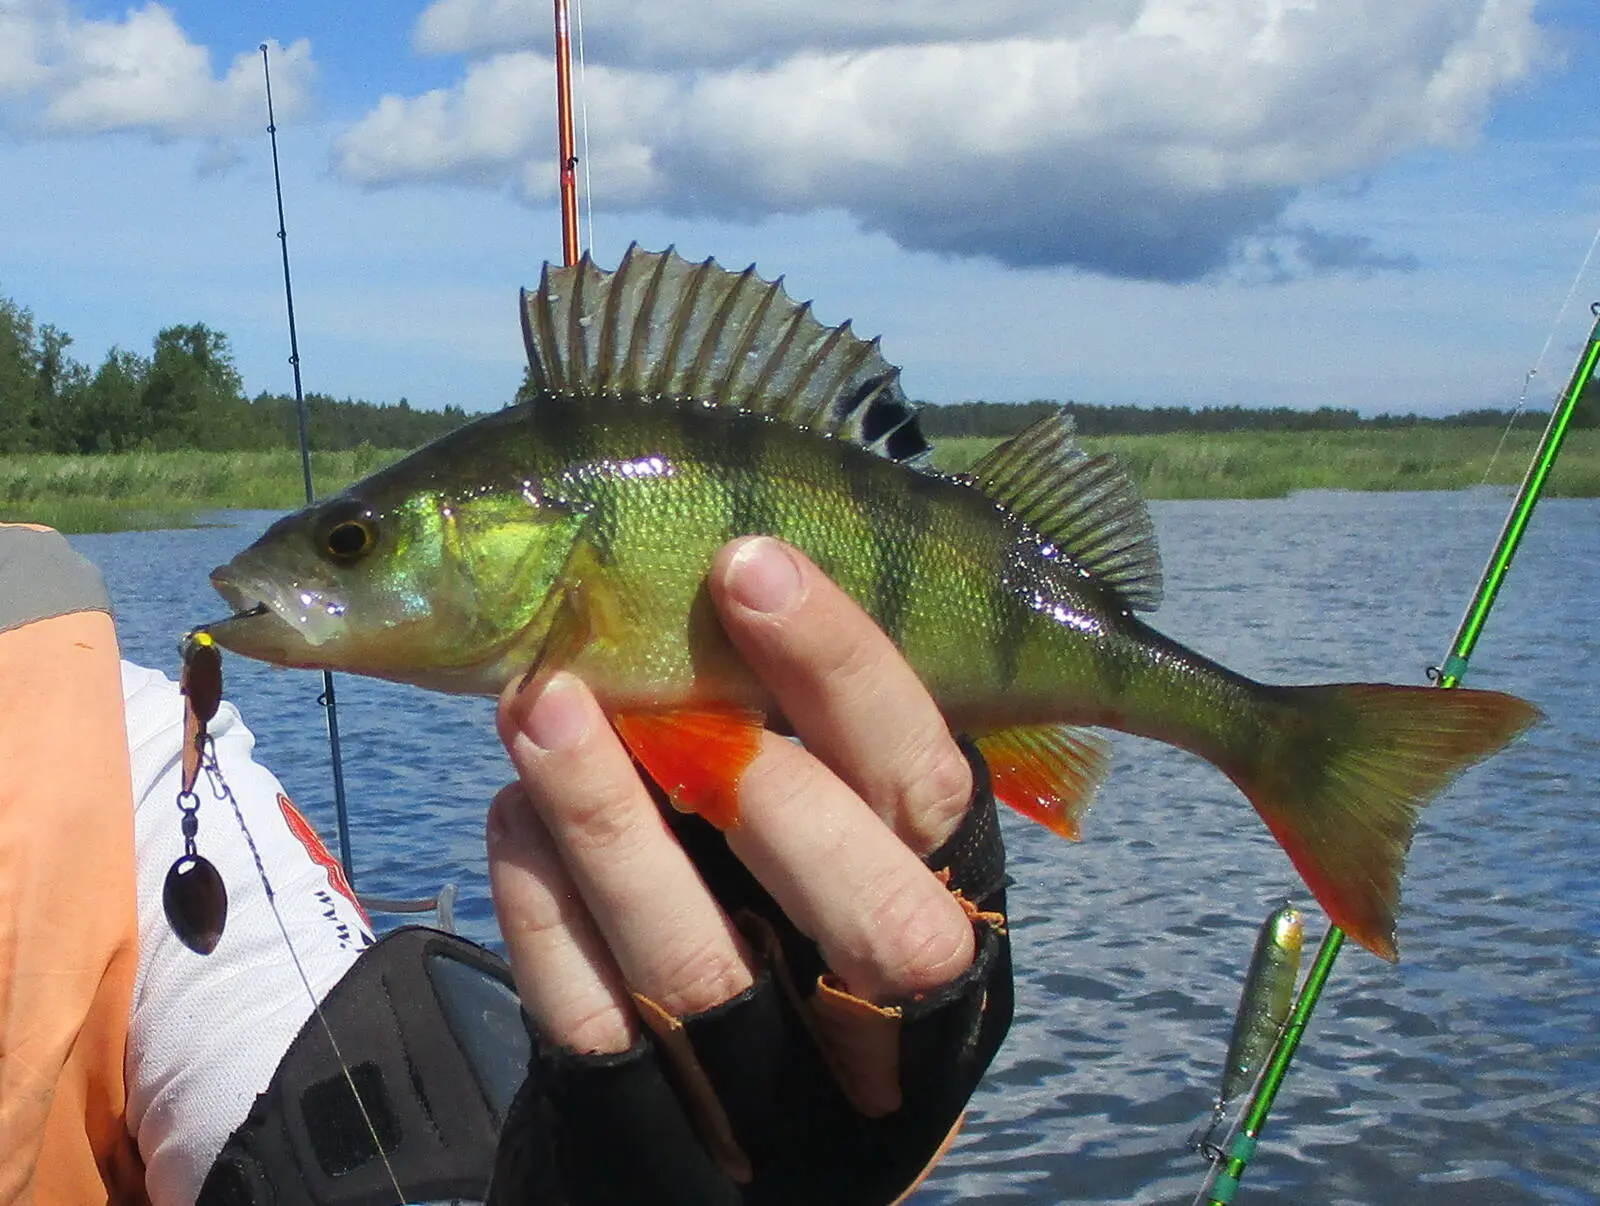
x,y
1469,1073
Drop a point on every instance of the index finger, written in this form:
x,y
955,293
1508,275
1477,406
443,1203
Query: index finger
x,y
842,683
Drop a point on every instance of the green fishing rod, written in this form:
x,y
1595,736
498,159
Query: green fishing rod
x,y
1242,1146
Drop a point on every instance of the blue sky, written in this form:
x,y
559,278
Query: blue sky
x,y
1295,202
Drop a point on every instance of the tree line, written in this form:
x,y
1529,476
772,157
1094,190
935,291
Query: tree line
x,y
187,393
1001,419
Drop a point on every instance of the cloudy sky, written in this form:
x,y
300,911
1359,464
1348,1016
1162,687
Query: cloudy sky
x,y
1368,203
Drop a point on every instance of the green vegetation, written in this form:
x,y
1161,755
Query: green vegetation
x,y
113,492
1270,464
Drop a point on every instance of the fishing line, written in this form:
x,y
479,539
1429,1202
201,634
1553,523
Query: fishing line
x,y
221,790
1561,313
583,112
1218,1153
200,685
1538,363
1457,545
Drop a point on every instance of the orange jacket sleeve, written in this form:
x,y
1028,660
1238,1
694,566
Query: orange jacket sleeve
x,y
68,932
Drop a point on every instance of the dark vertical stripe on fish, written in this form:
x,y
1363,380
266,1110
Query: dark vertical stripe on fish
x,y
1122,668
563,428
567,428
754,504
921,556
894,556
1014,621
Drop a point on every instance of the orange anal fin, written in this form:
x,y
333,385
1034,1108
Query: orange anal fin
x,y
1048,773
696,755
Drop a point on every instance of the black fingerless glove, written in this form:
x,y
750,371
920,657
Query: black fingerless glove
x,y
795,1091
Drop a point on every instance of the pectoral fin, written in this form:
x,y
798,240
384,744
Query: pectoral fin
x,y
1048,773
579,611
696,755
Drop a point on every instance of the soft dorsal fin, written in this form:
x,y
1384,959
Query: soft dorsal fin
x,y
660,326
1086,506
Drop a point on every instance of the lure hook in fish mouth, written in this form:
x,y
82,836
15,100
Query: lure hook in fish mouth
x,y
301,615
260,609
246,605
244,602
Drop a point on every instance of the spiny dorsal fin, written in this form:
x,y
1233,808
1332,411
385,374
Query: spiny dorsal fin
x,y
1086,506
660,326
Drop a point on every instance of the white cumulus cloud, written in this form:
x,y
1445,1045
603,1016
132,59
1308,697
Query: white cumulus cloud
x,y
477,129
63,74
1159,139
702,33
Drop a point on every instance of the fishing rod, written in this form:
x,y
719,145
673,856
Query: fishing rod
x,y
565,145
1449,674
327,698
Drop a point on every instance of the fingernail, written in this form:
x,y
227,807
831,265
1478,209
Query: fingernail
x,y
763,575
558,718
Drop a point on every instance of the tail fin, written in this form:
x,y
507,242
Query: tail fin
x,y
1351,768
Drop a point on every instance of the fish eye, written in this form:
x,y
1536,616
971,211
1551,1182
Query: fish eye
x,y
348,534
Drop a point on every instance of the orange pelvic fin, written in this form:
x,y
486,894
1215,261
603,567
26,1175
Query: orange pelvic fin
x,y
696,755
1048,773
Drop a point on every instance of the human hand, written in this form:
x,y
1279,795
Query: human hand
x,y
598,900
834,1061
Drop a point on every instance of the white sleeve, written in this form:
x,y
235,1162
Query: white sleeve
x,y
207,1031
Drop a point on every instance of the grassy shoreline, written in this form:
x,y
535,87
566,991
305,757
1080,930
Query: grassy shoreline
x,y
1272,464
136,491
141,490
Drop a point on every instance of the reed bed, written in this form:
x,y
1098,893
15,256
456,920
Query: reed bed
x,y
139,490
136,490
1273,464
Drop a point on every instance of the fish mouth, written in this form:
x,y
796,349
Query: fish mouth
x,y
236,594
270,622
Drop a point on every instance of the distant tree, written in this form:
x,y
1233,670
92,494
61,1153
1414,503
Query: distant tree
x,y
52,362
19,379
999,419
108,413
38,381
193,395
333,424
525,391
994,419
58,388
186,394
